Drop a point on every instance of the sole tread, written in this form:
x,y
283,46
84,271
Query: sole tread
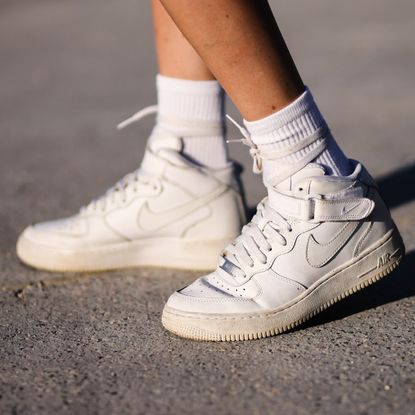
x,y
199,334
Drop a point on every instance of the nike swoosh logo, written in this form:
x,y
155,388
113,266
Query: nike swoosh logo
x,y
320,254
345,211
148,220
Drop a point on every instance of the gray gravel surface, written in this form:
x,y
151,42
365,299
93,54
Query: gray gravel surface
x,y
93,343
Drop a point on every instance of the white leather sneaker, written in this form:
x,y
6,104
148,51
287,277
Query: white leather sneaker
x,y
168,213
313,241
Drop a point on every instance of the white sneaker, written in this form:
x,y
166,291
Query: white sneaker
x,y
313,241
168,213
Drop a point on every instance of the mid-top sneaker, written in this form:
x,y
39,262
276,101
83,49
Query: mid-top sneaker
x,y
314,240
168,213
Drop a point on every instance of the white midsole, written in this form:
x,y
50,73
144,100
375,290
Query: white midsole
x,y
153,252
362,269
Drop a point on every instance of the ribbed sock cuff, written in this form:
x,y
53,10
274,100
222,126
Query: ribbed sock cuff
x,y
299,119
288,127
190,100
200,105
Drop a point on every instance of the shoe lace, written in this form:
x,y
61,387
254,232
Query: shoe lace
x,y
268,225
253,149
152,109
257,237
319,139
119,192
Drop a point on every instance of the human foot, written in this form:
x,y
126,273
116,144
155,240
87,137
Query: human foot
x,y
168,213
315,240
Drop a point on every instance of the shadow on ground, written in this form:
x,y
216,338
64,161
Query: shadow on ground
x,y
398,187
396,286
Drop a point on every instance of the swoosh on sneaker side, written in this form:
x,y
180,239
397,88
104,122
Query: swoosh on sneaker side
x,y
345,211
319,254
148,220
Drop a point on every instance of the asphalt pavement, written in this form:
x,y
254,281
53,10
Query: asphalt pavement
x,y
93,343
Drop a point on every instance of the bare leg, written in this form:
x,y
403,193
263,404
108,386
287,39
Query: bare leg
x,y
241,43
254,60
176,57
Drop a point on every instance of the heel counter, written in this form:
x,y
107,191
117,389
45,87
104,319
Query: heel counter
x,y
379,223
381,213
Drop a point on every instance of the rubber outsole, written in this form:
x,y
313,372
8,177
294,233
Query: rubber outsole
x,y
188,326
176,253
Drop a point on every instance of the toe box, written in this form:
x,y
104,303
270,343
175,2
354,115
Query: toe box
x,y
204,297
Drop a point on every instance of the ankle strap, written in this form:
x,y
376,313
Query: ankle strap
x,y
316,210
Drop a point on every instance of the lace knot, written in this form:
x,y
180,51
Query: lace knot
x,y
257,160
247,140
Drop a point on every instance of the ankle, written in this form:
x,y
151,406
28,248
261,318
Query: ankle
x,y
289,133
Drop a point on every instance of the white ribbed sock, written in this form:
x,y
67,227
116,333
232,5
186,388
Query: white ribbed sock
x,y
290,126
194,110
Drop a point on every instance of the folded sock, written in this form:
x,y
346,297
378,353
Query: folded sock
x,y
287,129
194,110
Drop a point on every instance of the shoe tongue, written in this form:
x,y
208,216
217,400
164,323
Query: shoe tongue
x,y
229,268
311,170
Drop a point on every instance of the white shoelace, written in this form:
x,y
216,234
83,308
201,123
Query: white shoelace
x,y
251,246
320,137
253,149
152,109
119,191
256,238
